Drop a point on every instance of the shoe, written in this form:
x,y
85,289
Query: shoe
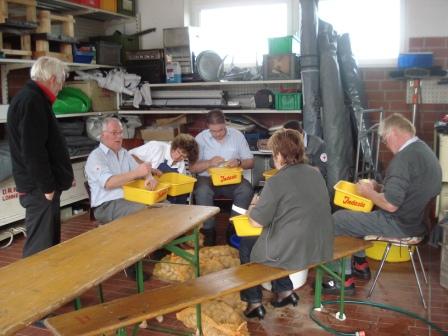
x,y
258,312
333,287
159,254
39,324
361,270
131,273
293,299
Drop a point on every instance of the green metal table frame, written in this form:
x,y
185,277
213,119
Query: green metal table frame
x,y
192,259
320,269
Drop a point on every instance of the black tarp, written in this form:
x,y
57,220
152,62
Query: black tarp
x,y
336,122
356,99
309,64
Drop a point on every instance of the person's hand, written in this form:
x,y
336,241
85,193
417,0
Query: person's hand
x,y
364,187
255,200
49,196
151,183
233,163
143,169
216,161
156,172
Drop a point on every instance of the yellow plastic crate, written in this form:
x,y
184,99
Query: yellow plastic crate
x,y
180,184
135,191
225,176
346,196
269,173
243,228
396,253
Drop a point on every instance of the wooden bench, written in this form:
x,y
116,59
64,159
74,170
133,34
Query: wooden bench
x,y
130,310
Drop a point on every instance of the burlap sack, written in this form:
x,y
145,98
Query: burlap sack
x,y
218,319
211,259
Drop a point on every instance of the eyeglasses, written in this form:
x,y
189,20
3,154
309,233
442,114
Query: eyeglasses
x,y
115,133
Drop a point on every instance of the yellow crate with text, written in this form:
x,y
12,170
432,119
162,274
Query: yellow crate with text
x,y
346,197
243,227
269,173
180,184
225,176
136,191
46,19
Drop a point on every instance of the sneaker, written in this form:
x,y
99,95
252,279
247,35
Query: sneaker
x,y
361,270
332,287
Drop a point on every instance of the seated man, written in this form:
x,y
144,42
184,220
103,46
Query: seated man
x,y
107,169
220,145
412,179
167,157
315,147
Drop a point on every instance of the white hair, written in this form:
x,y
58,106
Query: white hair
x,y
45,67
108,120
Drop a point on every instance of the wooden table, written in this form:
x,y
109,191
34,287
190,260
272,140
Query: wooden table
x,y
33,287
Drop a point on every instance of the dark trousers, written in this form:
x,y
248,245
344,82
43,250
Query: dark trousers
x,y
42,221
253,294
205,191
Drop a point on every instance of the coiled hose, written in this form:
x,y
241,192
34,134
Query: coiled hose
x,y
372,304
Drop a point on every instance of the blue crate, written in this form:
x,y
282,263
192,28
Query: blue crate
x,y
415,60
82,56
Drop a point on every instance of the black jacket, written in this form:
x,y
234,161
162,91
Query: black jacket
x,y
39,152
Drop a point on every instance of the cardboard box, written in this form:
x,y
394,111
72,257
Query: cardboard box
x,y
174,121
103,100
159,133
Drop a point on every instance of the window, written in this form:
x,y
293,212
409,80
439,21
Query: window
x,y
374,27
240,30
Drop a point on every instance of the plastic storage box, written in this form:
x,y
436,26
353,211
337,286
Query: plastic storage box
x,y
225,176
269,173
346,197
109,5
243,228
81,56
396,253
108,53
135,191
288,101
283,45
179,184
415,60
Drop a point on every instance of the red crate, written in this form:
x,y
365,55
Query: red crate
x,y
90,3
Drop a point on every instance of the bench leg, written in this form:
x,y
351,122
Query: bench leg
x,y
318,289
77,303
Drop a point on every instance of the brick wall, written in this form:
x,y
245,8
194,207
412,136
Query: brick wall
x,y
391,94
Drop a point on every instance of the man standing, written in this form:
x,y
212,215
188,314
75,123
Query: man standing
x,y
40,159
412,179
108,168
218,145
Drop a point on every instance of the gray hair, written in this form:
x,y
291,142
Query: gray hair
x,y
108,120
45,67
396,121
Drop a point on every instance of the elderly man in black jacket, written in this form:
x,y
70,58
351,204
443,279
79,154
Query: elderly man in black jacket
x,y
40,160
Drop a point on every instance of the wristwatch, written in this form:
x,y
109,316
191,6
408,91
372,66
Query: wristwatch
x,y
239,162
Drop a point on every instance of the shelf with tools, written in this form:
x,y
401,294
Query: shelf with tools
x,y
233,97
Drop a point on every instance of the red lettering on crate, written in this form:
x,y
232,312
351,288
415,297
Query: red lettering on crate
x,y
349,201
228,178
162,193
9,193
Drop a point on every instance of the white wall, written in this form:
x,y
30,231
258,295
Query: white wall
x,y
426,18
159,14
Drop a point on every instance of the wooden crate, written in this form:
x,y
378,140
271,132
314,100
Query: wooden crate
x,y
43,36
18,42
